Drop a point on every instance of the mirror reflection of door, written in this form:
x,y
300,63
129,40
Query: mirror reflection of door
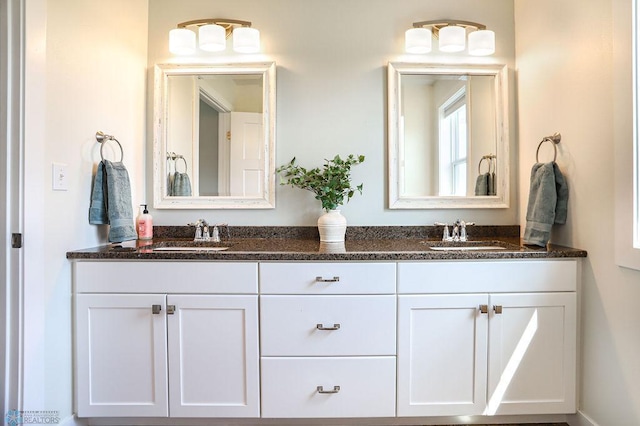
x,y
216,124
447,124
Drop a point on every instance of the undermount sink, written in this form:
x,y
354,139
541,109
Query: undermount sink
x,y
191,246
187,248
470,245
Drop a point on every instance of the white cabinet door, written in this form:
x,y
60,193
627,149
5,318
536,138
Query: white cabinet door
x,y
213,356
533,354
121,355
442,355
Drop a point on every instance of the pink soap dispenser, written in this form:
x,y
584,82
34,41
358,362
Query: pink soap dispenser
x,y
144,224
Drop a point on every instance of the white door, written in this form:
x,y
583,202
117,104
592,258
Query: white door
x,y
246,176
442,355
213,356
121,355
533,350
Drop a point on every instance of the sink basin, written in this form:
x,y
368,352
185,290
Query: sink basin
x,y
470,245
466,248
191,246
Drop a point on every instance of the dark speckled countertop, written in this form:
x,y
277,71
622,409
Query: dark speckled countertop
x,y
385,243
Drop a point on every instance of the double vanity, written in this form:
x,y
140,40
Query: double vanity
x,y
389,325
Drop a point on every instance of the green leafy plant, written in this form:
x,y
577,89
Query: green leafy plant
x,y
331,183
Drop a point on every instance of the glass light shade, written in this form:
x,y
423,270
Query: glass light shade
x,y
246,40
417,40
182,41
452,38
212,38
482,43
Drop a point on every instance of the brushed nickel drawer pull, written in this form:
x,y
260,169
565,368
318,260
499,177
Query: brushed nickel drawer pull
x,y
497,309
336,389
327,280
322,327
155,309
484,309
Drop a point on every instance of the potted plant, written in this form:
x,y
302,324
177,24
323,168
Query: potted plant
x,y
332,186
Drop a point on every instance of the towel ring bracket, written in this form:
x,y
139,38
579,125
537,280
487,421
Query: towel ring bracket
x,y
102,138
555,140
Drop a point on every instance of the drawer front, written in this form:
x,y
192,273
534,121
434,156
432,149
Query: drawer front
x,y
328,325
366,387
495,276
327,278
166,277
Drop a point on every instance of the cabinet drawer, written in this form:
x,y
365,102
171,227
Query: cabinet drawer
x,y
351,325
489,276
290,387
327,278
166,277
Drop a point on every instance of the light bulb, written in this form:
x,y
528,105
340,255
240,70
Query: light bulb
x,y
417,40
212,38
182,41
246,40
482,43
452,38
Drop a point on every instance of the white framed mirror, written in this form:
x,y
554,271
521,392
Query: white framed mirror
x,y
448,136
214,136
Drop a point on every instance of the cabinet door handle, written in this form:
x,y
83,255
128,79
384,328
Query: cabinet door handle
x,y
327,280
322,327
336,389
484,309
497,309
171,309
155,309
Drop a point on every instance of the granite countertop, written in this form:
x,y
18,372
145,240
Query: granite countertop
x,y
302,244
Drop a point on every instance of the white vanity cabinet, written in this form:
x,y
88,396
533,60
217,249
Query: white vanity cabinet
x,y
157,339
487,337
328,339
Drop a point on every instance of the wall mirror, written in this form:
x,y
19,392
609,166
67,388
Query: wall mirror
x,y
214,136
448,136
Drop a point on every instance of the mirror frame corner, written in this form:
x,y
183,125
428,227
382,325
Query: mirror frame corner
x,y
161,74
394,72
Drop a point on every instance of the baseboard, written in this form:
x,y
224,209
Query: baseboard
x,y
580,419
72,421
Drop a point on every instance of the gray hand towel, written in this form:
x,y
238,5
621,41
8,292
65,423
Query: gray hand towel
x,y
548,197
97,209
111,201
491,186
482,184
181,186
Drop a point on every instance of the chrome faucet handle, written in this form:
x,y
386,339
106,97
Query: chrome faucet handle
x,y
445,231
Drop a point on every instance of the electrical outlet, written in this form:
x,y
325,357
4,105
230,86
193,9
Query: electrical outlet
x,y
59,177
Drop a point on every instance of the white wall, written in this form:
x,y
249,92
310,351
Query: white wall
x,y
566,82
331,92
86,71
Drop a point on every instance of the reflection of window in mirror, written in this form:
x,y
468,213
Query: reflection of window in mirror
x,y
453,142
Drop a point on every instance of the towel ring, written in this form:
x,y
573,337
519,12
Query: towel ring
x,y
102,138
555,139
490,162
175,157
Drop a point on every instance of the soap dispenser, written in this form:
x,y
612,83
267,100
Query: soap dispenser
x,y
144,224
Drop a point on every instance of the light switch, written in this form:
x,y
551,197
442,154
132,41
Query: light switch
x,y
59,180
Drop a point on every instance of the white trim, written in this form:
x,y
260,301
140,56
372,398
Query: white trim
x,y
12,128
580,419
626,127
73,421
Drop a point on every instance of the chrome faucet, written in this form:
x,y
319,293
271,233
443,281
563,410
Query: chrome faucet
x,y
202,230
458,232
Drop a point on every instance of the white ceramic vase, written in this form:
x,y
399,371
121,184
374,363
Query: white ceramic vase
x,y
332,226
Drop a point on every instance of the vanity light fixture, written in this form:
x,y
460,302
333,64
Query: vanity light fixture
x,y
452,36
212,35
